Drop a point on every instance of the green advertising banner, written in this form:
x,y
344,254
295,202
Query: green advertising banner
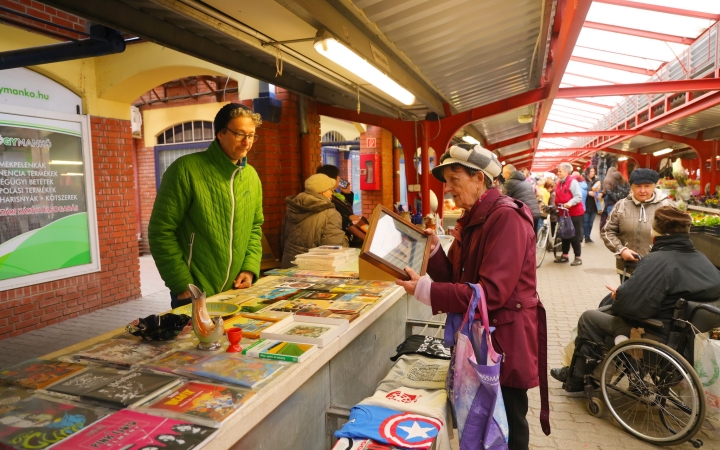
x,y
44,220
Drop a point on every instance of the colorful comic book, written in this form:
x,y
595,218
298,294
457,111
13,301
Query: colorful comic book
x,y
280,294
169,363
36,373
132,389
37,423
122,352
347,307
126,429
235,369
348,317
251,327
203,403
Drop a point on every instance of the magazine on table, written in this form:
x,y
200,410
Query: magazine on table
x,y
124,353
235,369
128,429
37,373
280,350
199,402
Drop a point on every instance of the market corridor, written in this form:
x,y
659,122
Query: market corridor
x,y
566,292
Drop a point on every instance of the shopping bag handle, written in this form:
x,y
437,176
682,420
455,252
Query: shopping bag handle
x,y
478,299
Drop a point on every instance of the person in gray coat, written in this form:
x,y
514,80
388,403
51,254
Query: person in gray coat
x,y
517,187
311,219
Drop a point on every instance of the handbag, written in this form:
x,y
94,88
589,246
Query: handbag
x,y
473,383
358,230
567,229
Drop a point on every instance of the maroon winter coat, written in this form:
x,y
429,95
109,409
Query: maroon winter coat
x,y
495,246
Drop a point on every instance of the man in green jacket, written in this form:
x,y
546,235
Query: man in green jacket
x,y
206,224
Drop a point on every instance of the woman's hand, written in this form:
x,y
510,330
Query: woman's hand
x,y
434,241
409,286
629,255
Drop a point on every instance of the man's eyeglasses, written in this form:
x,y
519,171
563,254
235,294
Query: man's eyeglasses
x,y
242,136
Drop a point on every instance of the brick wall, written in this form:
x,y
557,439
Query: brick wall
x,y
44,12
33,307
384,146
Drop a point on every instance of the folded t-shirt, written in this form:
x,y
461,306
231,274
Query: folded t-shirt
x,y
416,371
423,345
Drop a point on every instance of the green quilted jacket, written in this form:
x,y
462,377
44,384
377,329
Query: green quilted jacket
x,y
206,224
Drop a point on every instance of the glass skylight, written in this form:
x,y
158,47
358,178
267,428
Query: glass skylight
x,y
642,19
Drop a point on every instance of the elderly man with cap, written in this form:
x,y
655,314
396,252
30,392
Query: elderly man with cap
x,y
311,219
627,231
206,224
672,270
494,248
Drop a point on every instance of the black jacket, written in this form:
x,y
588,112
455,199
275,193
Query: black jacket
x,y
519,189
672,270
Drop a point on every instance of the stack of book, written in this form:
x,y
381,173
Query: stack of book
x,y
324,259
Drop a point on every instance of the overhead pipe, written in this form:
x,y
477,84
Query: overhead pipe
x,y
102,41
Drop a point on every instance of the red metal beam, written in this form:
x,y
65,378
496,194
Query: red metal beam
x,y
640,33
565,149
528,152
657,87
590,133
662,9
586,102
566,124
459,120
626,68
515,140
602,80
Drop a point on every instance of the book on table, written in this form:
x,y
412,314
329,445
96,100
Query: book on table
x,y
202,403
36,373
171,362
121,391
251,327
128,429
33,422
122,352
306,330
280,350
234,369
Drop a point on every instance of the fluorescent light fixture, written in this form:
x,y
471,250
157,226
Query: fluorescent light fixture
x,y
622,158
71,174
338,53
525,118
503,163
65,163
664,151
470,140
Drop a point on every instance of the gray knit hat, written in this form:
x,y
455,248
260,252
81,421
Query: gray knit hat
x,y
477,158
319,183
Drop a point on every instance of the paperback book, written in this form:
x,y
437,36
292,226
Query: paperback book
x,y
347,307
85,381
235,369
170,363
36,374
38,423
122,352
132,389
202,403
128,429
280,350
251,327
307,330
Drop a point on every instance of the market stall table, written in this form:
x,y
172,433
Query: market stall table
x,y
289,411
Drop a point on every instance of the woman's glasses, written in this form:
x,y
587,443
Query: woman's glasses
x,y
242,136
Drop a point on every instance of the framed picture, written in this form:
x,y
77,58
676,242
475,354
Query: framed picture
x,y
306,330
393,243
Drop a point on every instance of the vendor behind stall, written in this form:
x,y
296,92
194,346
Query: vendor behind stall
x,y
205,227
311,219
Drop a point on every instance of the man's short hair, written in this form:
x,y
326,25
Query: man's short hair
x,y
329,170
233,111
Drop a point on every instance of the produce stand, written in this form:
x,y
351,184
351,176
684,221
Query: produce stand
x,y
705,232
294,409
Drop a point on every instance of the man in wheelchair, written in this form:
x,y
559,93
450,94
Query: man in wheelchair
x,y
672,270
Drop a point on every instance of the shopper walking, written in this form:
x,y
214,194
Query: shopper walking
x,y
552,206
590,204
495,250
569,195
627,232
615,188
311,219
206,224
517,187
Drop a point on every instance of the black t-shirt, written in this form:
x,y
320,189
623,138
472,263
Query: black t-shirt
x,y
431,347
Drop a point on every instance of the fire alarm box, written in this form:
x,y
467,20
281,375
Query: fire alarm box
x,y
370,172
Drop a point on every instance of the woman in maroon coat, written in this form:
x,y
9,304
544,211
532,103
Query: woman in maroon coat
x,y
494,247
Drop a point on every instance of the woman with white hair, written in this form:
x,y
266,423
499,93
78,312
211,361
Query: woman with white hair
x,y
568,194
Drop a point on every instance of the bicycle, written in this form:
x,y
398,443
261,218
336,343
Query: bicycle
x,y
547,240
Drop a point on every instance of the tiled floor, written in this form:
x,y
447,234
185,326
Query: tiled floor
x,y
566,292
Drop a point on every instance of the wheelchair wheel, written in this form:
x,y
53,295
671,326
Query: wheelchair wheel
x,y
595,407
541,246
653,392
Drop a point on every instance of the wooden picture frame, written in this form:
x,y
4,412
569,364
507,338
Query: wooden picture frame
x,y
392,242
